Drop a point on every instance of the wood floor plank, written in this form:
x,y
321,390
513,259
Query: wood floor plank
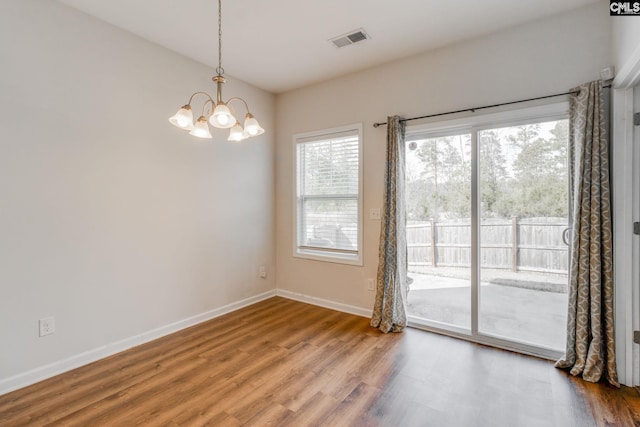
x,y
353,410
313,411
285,363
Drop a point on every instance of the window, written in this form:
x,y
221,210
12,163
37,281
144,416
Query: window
x,y
328,190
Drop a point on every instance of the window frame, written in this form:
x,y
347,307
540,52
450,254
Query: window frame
x,y
480,121
328,255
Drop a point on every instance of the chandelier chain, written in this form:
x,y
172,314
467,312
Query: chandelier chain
x,y
220,70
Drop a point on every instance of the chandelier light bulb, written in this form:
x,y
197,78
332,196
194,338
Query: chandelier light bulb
x,y
251,126
183,119
222,117
201,129
236,133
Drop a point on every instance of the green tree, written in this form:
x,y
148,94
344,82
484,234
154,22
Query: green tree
x,y
539,185
493,173
523,172
445,177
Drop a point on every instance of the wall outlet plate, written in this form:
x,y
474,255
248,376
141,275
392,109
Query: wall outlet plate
x,y
371,286
47,326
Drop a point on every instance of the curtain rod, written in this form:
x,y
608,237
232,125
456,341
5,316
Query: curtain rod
x,y
473,110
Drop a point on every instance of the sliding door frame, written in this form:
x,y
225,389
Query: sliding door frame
x,y
625,181
473,124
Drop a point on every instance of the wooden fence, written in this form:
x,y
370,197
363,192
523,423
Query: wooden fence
x,y
519,245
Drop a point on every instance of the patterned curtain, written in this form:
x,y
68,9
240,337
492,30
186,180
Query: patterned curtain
x,y
590,348
389,313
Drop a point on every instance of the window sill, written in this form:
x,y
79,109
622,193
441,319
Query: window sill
x,y
326,256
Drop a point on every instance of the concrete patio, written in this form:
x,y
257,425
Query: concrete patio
x,y
530,308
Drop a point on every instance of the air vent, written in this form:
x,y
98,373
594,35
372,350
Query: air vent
x,y
357,37
352,37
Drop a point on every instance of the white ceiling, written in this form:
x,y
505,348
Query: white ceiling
x,y
279,45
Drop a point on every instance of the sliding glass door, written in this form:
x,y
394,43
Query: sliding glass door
x,y
487,232
438,195
524,217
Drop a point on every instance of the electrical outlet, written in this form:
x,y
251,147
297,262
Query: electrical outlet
x,y
47,326
371,285
262,271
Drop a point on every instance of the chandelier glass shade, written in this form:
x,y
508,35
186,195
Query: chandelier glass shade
x,y
201,129
218,113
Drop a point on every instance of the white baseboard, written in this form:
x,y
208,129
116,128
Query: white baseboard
x,y
41,373
56,368
358,311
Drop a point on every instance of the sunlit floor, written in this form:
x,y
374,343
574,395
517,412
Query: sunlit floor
x,y
512,311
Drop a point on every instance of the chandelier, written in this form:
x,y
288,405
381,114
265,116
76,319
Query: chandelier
x,y
220,114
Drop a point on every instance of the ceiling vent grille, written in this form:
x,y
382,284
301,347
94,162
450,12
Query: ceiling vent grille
x,y
350,38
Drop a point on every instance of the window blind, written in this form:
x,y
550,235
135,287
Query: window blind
x,y
328,185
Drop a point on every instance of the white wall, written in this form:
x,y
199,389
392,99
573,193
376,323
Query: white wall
x,y
625,43
111,219
541,58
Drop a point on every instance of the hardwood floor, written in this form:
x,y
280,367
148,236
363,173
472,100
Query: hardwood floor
x,y
285,363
